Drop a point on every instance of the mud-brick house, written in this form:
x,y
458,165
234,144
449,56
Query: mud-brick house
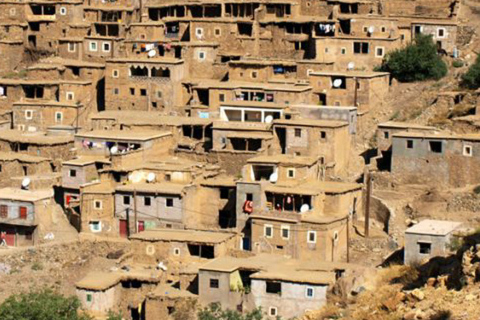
x,y
57,148
21,165
428,239
443,32
124,147
163,204
436,158
328,139
124,290
361,89
20,213
218,195
12,34
97,210
143,84
155,245
165,300
280,286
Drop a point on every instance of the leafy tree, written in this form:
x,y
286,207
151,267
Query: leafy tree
x,y
41,305
215,312
418,61
471,79
114,315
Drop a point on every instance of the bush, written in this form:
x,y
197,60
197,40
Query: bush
x,y
458,64
215,312
471,79
418,61
43,304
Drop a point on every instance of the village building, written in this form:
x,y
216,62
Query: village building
x,y
436,158
96,213
15,165
165,300
428,239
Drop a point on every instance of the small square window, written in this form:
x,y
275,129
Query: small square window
x,y
159,94
386,134
93,46
291,173
147,201
176,251
272,311
440,33
132,91
384,29
467,150
97,204
298,133
169,202
115,73
199,32
379,52
343,51
72,173
323,135
63,11
218,31
89,297
365,29
201,55
143,92
310,292
268,231
116,91
285,232
409,144
72,47
58,117
214,283
126,200
312,237
254,74
95,226
28,114
424,247
106,47
70,96
221,97
249,197
436,146
326,50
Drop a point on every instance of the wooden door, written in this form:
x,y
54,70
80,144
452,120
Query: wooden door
x,y
123,229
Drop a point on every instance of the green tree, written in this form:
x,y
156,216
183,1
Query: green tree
x,y
471,79
114,315
215,312
418,61
41,305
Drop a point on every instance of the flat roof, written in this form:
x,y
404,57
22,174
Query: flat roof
x,y
284,159
35,138
311,123
350,74
227,181
285,273
149,118
179,235
235,84
25,195
434,227
15,156
100,280
316,106
83,160
161,188
404,125
437,135
131,135
239,125
313,188
142,60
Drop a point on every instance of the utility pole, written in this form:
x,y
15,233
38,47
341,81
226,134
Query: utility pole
x,y
348,237
368,193
356,89
135,209
128,222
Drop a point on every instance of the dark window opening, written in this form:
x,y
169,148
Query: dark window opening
x,y
143,92
224,193
132,284
214,283
75,71
169,202
262,172
126,200
298,133
282,202
386,134
33,92
360,47
323,135
409,144
339,82
245,29
435,146
161,72
249,196
203,96
147,201
274,287
213,11
425,248
138,72
202,251
34,26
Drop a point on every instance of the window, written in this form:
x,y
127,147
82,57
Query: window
x,y
224,193
159,94
70,96
285,232
254,74
379,52
343,51
201,55
95,226
291,173
116,91
72,47
273,287
93,46
199,32
3,211
441,33
360,47
147,201
384,29
435,146
409,144
221,97
126,200
22,213
72,173
97,204
268,231
143,92
312,237
214,283
298,133
89,297
386,134
63,11
365,29
58,117
310,292
424,247
176,251
106,47
272,311
467,150
326,50
217,32
132,91
169,202
115,73
28,114
249,197
323,135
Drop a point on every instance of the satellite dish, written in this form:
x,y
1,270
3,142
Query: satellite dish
x,y
268,119
273,177
304,208
152,53
25,183
114,150
371,29
351,65
151,177
337,83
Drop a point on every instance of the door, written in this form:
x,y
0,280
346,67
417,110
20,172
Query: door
x,y
141,226
10,235
3,211
123,229
23,213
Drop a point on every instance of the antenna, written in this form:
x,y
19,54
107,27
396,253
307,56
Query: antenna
x,y
351,66
371,29
25,183
151,177
273,177
337,83
304,208
268,119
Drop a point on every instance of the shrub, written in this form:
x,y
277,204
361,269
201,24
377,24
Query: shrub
x,y
418,61
215,312
471,79
457,64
